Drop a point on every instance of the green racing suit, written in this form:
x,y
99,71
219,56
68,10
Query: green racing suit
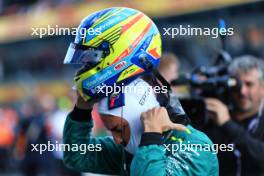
x,y
156,156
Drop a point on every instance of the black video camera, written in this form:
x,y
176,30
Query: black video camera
x,y
205,82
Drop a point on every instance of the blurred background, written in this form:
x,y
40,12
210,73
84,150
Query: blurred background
x,y
35,86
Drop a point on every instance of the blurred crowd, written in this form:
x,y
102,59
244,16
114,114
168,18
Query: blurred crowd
x,y
36,120
8,7
251,42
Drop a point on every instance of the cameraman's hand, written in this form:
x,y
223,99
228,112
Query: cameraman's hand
x,y
157,120
218,111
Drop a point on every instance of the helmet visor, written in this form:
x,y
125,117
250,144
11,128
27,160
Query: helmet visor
x,y
80,54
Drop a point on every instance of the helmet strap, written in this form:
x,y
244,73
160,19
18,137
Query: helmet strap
x,y
124,170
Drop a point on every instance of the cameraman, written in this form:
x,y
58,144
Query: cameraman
x,y
242,126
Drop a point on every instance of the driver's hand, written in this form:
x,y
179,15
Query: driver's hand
x,y
157,120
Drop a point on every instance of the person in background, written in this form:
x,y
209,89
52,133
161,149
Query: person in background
x,y
242,127
169,66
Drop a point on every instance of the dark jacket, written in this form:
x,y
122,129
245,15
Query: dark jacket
x,y
248,155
